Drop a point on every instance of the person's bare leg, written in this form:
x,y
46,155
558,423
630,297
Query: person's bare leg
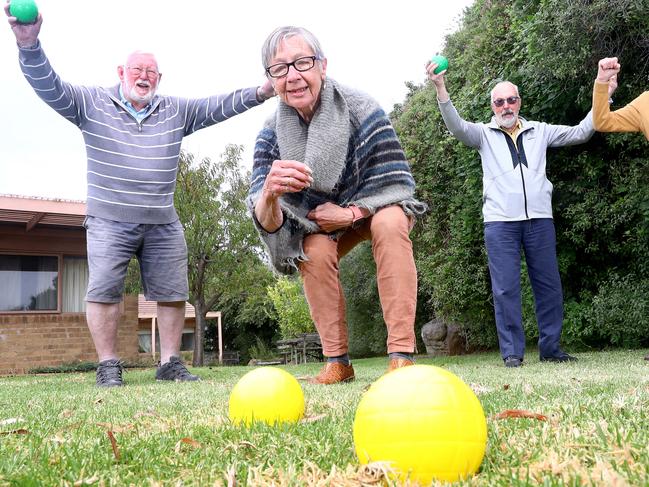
x,y
102,321
171,321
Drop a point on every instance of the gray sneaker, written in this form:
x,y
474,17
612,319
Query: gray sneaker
x,y
175,370
109,373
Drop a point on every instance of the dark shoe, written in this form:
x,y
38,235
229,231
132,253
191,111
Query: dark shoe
x,y
334,372
561,357
646,357
512,361
175,370
397,363
109,373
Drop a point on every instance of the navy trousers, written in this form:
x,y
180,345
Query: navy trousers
x,y
537,238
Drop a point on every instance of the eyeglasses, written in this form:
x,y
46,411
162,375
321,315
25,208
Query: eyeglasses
x,y
137,71
300,64
511,100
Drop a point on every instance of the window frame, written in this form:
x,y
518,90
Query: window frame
x,y
59,283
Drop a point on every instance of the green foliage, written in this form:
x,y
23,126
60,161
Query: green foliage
x,y
292,309
226,270
133,281
367,331
550,49
261,350
617,314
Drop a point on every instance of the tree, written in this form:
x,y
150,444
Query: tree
x,y
224,251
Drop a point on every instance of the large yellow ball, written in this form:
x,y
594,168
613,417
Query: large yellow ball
x,y
266,394
425,422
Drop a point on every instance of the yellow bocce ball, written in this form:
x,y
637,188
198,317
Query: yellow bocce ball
x,y
424,422
266,394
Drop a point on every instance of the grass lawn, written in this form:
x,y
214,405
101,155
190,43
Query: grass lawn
x,y
61,430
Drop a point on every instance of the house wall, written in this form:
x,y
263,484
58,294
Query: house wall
x,y
38,340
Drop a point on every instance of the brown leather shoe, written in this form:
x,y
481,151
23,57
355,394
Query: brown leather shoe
x,y
397,363
334,372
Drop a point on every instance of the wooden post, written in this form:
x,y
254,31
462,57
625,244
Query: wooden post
x,y
153,337
218,321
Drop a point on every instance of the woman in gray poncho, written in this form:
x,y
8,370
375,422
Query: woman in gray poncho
x,y
329,172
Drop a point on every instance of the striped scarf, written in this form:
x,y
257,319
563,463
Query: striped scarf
x,y
354,154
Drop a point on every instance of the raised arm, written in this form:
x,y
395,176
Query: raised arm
x,y
626,119
467,132
61,96
203,112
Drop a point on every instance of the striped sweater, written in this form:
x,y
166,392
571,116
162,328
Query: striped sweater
x,y
374,174
132,165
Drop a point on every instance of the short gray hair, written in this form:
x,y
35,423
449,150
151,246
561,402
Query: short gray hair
x,y
271,44
491,94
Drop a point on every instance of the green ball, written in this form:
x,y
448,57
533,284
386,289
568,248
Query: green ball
x,y
442,63
25,11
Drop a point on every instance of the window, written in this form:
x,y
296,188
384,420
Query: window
x,y
29,283
73,284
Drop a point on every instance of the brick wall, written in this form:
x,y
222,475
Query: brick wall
x,y
39,340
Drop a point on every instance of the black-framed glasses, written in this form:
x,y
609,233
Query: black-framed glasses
x,y
511,100
300,64
137,71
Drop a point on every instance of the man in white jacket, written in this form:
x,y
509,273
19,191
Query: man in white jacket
x,y
517,210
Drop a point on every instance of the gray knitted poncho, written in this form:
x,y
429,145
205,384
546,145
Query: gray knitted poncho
x,y
356,159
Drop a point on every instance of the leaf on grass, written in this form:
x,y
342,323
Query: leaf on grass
x,y
89,481
115,428
149,413
505,387
247,444
520,413
303,377
59,439
374,473
187,441
5,422
113,444
20,431
99,401
479,389
528,389
313,419
66,413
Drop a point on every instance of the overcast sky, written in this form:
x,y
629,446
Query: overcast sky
x,y
203,48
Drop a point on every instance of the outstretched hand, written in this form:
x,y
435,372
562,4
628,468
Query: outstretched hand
x,y
266,91
26,34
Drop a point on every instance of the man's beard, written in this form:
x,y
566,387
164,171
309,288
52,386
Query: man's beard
x,y
506,122
131,92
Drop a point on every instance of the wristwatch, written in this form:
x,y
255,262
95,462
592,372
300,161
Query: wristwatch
x,y
357,213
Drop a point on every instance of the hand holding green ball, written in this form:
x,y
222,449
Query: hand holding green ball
x,y
442,63
25,11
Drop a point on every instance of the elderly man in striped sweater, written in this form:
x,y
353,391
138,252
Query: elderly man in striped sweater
x,y
133,138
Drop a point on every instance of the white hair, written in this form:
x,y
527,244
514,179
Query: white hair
x,y
272,42
491,94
